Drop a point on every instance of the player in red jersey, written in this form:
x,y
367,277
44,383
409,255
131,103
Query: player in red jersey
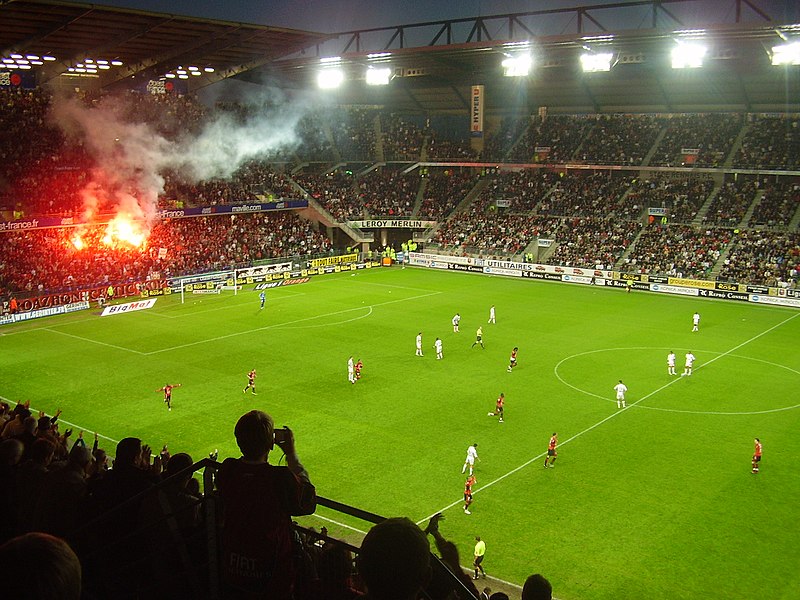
x,y
498,407
251,382
358,367
551,451
468,492
512,362
756,455
167,389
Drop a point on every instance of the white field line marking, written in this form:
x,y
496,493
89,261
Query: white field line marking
x,y
608,418
356,529
78,337
331,324
278,325
60,420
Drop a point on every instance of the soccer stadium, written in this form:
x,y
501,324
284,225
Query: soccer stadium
x,y
492,307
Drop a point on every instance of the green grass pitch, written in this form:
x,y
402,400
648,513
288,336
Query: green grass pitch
x,y
655,501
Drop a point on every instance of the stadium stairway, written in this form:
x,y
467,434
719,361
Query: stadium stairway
x,y
737,143
794,224
751,209
649,156
698,218
379,151
723,256
619,265
423,185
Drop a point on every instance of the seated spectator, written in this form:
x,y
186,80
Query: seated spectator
x,y
394,561
259,500
537,588
45,568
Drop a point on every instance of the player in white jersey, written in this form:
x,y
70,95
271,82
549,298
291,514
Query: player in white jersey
x,y
620,388
419,344
696,321
456,321
472,456
671,363
438,346
687,367
491,314
351,370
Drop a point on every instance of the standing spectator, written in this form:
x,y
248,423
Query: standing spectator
x,y
480,552
394,561
259,500
537,588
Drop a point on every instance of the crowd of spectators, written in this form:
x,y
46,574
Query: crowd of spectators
x,y
770,143
498,143
709,137
620,139
517,191
681,196
494,233
777,206
763,258
598,194
441,148
554,139
51,259
87,526
729,205
388,193
354,133
443,192
677,251
594,242
402,138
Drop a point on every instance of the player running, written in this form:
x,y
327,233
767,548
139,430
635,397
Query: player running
x,y
696,321
552,454
167,389
512,361
263,298
472,456
251,382
478,338
468,492
498,407
491,315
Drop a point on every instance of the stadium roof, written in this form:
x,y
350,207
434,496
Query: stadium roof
x,y
434,64
147,44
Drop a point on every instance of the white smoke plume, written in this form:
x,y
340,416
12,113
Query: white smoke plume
x,y
132,157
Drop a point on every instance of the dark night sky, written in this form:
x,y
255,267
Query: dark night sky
x,y
345,15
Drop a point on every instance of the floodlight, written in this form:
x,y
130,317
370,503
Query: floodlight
x,y
329,79
116,63
688,56
786,54
593,63
49,58
378,76
517,66
208,69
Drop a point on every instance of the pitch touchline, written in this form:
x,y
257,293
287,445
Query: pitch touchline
x,y
238,333
608,418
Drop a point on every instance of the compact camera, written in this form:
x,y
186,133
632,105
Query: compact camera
x,y
281,435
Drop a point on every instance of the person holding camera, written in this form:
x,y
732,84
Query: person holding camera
x,y
259,500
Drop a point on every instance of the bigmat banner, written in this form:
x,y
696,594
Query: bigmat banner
x,y
680,286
